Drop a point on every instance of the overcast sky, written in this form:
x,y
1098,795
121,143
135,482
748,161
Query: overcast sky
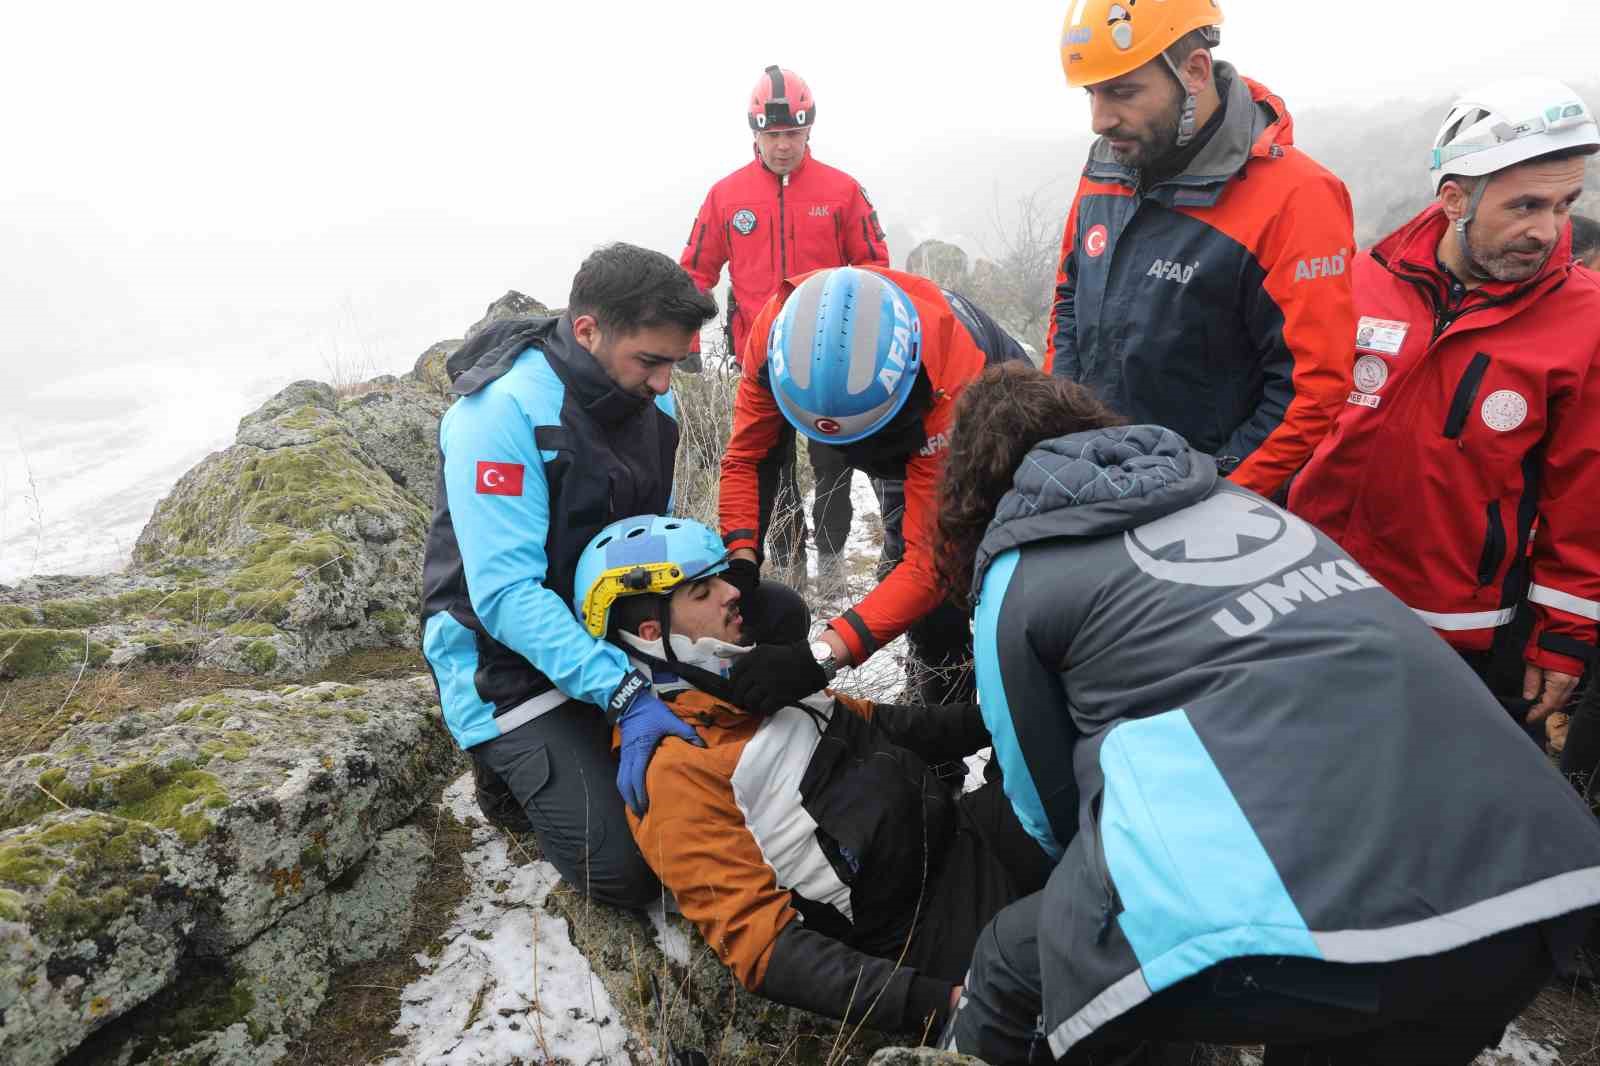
x,y
216,198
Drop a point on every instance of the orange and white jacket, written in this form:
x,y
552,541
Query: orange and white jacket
x,y
800,845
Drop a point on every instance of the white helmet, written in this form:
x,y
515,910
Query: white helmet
x,y
1510,122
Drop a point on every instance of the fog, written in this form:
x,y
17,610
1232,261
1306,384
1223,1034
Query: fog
x,y
202,202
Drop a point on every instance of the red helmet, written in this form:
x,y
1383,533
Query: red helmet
x,y
781,100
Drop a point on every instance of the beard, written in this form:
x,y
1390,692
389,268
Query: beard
x,y
1151,145
1501,264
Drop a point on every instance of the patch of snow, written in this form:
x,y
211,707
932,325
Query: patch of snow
x,y
671,938
509,985
1520,1049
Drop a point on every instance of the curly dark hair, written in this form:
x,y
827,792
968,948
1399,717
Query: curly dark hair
x,y
999,418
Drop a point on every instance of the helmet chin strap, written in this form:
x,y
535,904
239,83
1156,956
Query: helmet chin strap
x,y
1186,114
1475,268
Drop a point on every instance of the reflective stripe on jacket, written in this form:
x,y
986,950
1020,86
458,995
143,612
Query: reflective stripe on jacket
x,y
767,228
1473,413
1218,302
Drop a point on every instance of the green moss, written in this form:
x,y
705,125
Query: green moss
x,y
311,855
69,614
92,867
260,655
16,616
358,717
27,652
142,791
393,622
251,629
35,761
11,909
347,692
186,715
194,604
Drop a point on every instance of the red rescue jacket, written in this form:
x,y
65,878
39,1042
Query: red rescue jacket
x,y
958,343
767,228
1475,412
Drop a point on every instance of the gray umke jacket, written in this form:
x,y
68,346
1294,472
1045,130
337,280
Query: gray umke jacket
x,y
1238,743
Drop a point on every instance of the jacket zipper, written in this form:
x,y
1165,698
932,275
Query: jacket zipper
x,y
783,225
1494,545
1111,906
1466,391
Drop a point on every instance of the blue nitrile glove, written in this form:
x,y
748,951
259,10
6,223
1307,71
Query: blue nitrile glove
x,y
644,720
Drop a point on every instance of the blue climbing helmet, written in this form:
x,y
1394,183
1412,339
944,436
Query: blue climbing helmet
x,y
843,354
643,555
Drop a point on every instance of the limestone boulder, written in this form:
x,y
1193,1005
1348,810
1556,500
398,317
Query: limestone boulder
x,y
203,838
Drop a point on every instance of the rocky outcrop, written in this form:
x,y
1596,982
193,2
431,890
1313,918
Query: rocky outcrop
x,y
199,870
300,542
942,263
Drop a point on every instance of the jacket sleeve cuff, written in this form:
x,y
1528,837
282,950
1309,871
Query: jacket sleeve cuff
x,y
1545,659
735,539
928,997
857,638
633,684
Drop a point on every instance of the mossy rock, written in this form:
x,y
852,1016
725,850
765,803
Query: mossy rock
x,y
16,616
173,796
72,876
28,652
393,622
70,614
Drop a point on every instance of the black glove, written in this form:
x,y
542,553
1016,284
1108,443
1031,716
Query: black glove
x,y
770,676
744,575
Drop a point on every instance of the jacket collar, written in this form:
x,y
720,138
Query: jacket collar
x,y
1257,125
595,392
795,173
1412,252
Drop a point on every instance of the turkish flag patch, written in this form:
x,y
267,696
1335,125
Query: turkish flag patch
x,y
500,479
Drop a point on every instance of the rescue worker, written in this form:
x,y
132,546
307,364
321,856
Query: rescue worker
x,y
786,213
1476,406
562,425
814,848
1283,812
871,361
1204,280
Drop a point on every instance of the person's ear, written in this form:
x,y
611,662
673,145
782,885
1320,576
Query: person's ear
x,y
586,329
649,629
1197,71
1453,198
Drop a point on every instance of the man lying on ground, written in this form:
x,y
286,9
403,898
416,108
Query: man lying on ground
x,y
814,848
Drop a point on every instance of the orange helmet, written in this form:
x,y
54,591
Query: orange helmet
x,y
781,100
1105,39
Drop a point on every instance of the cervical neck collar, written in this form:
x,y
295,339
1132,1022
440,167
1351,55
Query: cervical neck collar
x,y
708,653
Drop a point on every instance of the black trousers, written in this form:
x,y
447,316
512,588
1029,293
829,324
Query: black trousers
x,y
990,863
560,769
1439,1010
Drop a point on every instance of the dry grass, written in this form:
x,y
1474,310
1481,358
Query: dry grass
x,y
34,711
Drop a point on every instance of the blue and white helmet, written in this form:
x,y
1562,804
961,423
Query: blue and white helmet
x,y
844,354
644,555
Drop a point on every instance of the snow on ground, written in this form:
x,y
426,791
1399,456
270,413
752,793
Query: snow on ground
x,y
1519,1049
509,985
